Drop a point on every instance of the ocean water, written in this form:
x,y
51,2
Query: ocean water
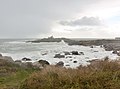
x,y
18,49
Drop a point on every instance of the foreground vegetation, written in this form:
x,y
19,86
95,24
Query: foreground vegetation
x,y
101,75
11,74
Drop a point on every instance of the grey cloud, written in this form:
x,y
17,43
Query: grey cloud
x,y
84,21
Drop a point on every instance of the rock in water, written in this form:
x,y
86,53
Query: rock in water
x,y
81,53
59,56
74,61
67,53
75,53
26,59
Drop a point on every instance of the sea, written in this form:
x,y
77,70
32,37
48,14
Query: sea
x,y
19,48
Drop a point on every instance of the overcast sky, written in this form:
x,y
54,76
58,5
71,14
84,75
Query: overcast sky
x,y
60,18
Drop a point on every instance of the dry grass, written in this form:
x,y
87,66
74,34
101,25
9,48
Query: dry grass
x,y
103,75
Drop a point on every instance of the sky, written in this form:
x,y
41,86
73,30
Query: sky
x,y
60,18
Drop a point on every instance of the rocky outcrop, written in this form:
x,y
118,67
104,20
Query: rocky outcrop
x,y
52,39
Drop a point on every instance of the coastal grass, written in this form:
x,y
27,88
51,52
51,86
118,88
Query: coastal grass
x,y
103,74
11,74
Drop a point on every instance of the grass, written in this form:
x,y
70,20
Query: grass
x,y
11,75
102,75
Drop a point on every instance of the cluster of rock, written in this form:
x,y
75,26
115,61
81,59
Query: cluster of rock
x,y
68,53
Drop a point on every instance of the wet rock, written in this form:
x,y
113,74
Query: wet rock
x,y
67,53
60,64
75,53
74,61
115,52
59,56
81,53
91,46
26,59
69,57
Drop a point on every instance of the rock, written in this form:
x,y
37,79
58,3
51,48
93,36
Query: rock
x,y
0,55
81,53
75,53
69,57
108,47
74,61
19,62
118,53
60,64
91,46
67,53
43,63
67,65
8,58
37,64
101,46
59,56
86,57
26,59
95,51
115,52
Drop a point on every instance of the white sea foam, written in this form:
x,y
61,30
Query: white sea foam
x,y
46,51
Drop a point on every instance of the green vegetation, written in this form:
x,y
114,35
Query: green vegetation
x,y
102,75
11,74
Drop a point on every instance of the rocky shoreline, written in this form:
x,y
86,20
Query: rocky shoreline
x,y
107,44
